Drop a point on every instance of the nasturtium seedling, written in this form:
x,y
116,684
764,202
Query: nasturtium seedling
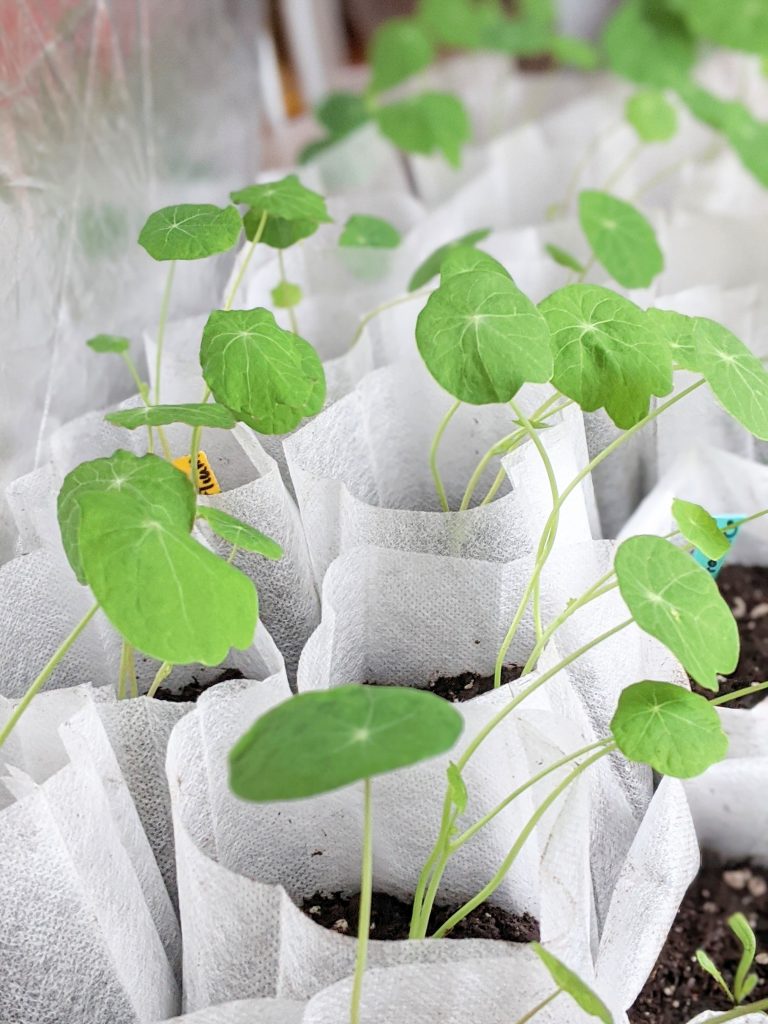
x,y
193,414
563,258
456,23
621,239
479,335
399,49
651,115
286,199
341,113
676,732
428,123
736,377
568,981
190,231
277,232
286,295
268,377
677,332
649,44
432,265
738,24
604,354
676,601
236,532
109,343
700,528
319,741
366,232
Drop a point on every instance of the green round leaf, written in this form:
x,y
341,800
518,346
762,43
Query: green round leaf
x,y
481,338
193,415
287,199
648,44
167,595
665,726
286,295
463,258
319,741
700,529
674,599
190,231
605,356
277,232
433,263
564,258
737,378
428,123
652,116
109,343
241,534
149,481
621,239
571,983
270,378
575,52
519,37
362,231
456,23
676,331
398,50
342,112
738,24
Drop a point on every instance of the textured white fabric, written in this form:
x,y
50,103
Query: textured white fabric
x,y
247,1011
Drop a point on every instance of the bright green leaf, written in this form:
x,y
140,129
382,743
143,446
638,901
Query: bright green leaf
x,y
621,239
676,732
649,45
287,199
190,231
738,24
342,112
428,123
322,740
463,259
365,232
677,332
286,295
741,928
109,343
270,378
575,52
605,356
193,415
240,534
147,480
165,593
433,263
518,37
707,964
651,115
457,788
571,983
481,338
398,50
458,23
737,378
700,529
278,232
564,258
677,601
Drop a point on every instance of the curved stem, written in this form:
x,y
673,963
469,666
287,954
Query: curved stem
x,y
246,260
164,307
581,166
366,892
489,889
539,1006
418,927
160,676
747,691
283,280
44,675
372,314
739,1011
624,166
494,488
505,445
433,455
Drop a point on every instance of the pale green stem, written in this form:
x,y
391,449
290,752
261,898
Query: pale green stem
x,y
587,267
366,892
246,260
160,676
488,890
433,455
739,1011
623,167
667,172
232,554
365,320
284,280
418,921
747,691
130,664
46,673
494,488
509,443
539,1006
121,672
143,390
581,166
164,307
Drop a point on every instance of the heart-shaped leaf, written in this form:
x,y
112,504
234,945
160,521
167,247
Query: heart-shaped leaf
x,y
481,338
286,295
286,199
575,52
236,532
190,231
676,601
571,983
399,49
737,378
665,726
605,355
342,112
463,258
649,44
322,740
167,595
109,343
428,123
433,263
738,24
564,258
700,528
194,414
456,23
270,378
651,115
621,239
363,231
676,331
147,480
277,232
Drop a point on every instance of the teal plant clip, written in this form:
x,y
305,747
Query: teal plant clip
x,y
714,565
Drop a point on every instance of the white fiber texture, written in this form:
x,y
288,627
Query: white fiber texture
x,y
361,474
247,1011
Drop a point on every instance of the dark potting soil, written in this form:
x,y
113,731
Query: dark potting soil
x,y
745,588
391,919
678,988
190,692
461,688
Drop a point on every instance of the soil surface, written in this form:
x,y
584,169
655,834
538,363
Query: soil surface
x,y
391,919
745,588
461,688
190,692
678,988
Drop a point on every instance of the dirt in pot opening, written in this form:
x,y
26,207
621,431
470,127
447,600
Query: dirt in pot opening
x,y
190,692
461,688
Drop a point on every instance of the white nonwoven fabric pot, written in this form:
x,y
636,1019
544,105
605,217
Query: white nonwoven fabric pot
x,y
247,1011
361,474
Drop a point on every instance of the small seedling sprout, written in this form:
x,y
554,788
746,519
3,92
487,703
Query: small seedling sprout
x,y
744,982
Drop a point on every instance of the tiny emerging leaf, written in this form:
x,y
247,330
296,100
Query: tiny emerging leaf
x,y
651,115
240,534
621,239
570,982
428,123
432,265
700,528
190,231
286,199
457,787
707,964
399,49
109,343
363,231
200,414
743,982
564,258
286,295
